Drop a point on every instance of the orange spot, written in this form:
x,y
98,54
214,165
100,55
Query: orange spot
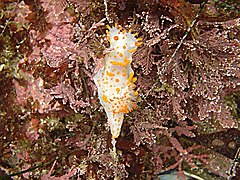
x,y
138,43
131,76
118,90
135,93
110,74
123,109
117,80
124,72
134,79
132,50
124,47
121,54
135,34
115,56
104,97
134,105
114,136
127,61
118,72
115,38
108,27
117,63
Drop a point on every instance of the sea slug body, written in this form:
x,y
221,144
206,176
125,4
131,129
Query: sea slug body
x,y
115,81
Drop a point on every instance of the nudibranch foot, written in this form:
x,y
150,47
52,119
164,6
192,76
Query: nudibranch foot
x,y
114,151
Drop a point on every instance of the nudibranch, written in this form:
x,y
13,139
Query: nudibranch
x,y
115,80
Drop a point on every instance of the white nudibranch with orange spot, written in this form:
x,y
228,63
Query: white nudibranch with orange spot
x,y
115,81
